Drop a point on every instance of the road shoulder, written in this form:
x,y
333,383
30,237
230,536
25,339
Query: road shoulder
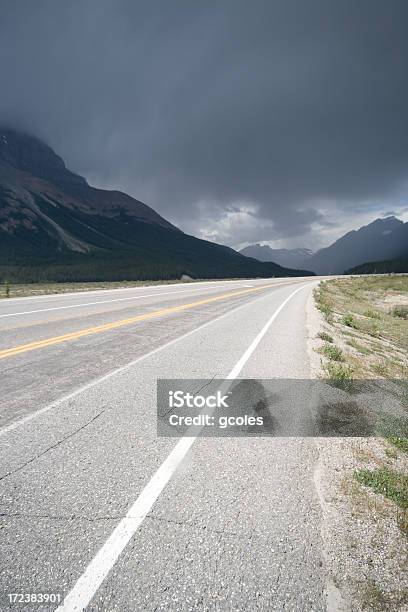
x,y
364,533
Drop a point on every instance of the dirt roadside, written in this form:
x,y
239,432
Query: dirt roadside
x,y
365,534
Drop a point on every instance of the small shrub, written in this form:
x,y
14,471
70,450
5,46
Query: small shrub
x,y
332,352
380,369
340,375
322,302
372,314
374,331
325,308
349,320
325,336
400,311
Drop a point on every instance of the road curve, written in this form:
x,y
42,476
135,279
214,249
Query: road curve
x,y
97,508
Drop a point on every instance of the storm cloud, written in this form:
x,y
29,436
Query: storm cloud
x,y
239,121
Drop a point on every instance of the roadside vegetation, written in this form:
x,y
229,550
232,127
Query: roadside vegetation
x,y
363,341
9,290
389,483
366,337
368,317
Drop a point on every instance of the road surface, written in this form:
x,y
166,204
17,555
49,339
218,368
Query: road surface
x,y
95,507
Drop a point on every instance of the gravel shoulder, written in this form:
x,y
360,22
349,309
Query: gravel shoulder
x,y
365,534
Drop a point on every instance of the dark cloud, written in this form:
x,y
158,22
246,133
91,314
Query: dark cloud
x,y
233,119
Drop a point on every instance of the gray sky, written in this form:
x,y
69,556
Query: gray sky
x,y
239,121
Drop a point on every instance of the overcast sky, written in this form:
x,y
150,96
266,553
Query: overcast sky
x,y
240,121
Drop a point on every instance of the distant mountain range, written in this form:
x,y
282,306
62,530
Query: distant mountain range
x,y
56,227
283,257
382,240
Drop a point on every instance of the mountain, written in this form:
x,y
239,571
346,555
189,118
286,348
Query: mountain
x,y
394,266
55,227
383,239
283,257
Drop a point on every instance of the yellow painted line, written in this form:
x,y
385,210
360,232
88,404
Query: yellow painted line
x,y
32,346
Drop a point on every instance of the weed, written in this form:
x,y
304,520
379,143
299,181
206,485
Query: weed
x,y
340,375
325,308
400,311
349,320
374,331
332,352
323,302
402,521
364,350
390,484
372,314
358,310
400,443
325,336
391,453
380,369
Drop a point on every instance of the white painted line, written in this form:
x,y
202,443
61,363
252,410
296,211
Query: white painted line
x,y
47,296
240,364
133,297
97,381
97,570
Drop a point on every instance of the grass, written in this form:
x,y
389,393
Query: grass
x,y
400,311
325,336
380,368
372,314
27,290
323,302
400,443
364,350
392,485
340,375
391,453
332,352
349,321
402,521
361,319
373,330
359,313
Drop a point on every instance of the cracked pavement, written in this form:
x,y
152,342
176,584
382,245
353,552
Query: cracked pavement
x,y
238,525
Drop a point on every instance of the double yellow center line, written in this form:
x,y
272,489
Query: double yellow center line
x,y
32,346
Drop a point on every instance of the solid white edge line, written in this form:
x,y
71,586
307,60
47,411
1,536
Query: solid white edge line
x,y
123,368
91,292
133,297
89,582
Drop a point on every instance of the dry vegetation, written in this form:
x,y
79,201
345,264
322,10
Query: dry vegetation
x,y
368,317
8,290
365,336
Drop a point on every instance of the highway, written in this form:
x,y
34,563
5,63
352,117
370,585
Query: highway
x,y
97,508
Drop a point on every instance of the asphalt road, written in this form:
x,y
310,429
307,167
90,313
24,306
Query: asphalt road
x,y
99,509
